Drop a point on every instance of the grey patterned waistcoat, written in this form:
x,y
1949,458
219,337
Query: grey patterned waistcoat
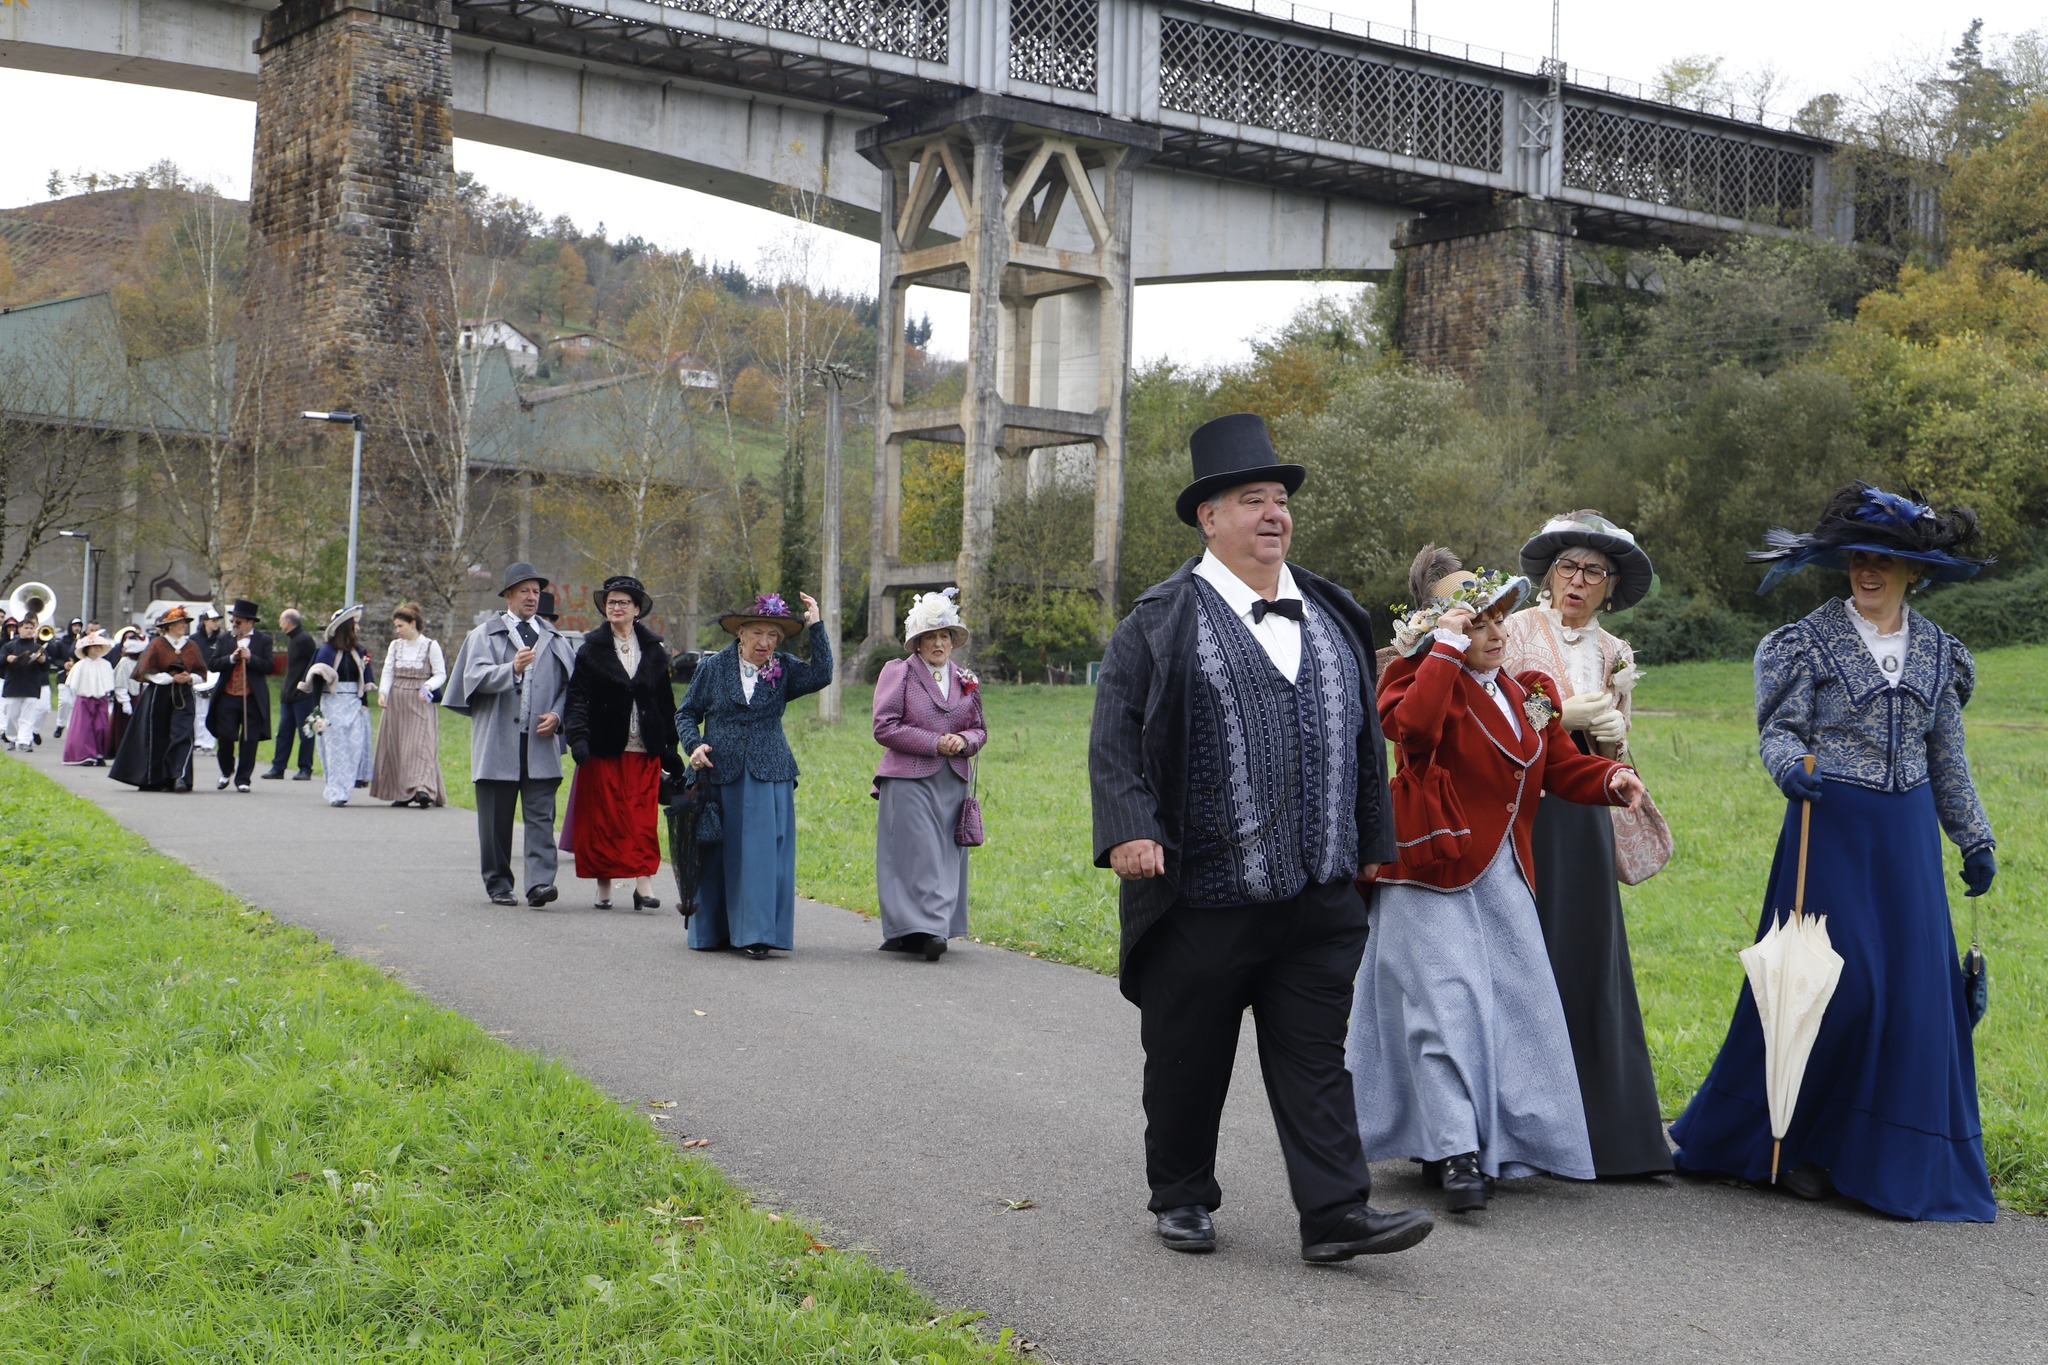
x,y
1272,765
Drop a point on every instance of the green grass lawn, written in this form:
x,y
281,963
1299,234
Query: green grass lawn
x,y
223,1141
1034,887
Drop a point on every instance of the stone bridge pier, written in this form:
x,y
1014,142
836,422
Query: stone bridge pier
x,y
349,304
1471,274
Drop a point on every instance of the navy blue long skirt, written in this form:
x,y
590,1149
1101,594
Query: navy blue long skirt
x,y
748,891
1889,1104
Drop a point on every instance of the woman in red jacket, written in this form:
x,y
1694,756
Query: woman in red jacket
x,y
1458,1050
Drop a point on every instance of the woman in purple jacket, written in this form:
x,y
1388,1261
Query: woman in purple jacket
x,y
928,721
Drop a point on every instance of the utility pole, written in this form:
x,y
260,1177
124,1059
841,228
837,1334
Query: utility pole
x,y
834,377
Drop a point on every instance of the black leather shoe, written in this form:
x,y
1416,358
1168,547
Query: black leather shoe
x,y
1365,1231
756,951
1188,1228
934,948
268,776
1808,1182
223,784
302,777
504,898
537,896
1465,1187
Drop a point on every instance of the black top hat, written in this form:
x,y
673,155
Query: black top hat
x,y
1231,451
547,610
625,583
245,610
515,574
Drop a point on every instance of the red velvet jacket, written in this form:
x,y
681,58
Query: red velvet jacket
x,y
1430,705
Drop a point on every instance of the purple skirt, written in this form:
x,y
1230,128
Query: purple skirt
x,y
90,736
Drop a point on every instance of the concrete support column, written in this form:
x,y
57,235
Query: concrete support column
x,y
1469,275
349,298
986,246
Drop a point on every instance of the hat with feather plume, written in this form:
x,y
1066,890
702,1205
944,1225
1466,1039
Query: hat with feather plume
x,y
1861,516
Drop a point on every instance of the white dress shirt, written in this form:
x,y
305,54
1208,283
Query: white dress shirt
x,y
1888,652
1278,635
514,620
941,677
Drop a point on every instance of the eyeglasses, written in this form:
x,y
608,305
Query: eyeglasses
x,y
1592,575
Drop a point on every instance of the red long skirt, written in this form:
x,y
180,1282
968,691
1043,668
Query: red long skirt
x,y
618,817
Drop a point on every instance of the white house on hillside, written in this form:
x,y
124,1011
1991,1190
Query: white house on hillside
x,y
490,333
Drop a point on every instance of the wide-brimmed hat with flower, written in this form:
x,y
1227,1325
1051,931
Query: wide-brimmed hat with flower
x,y
1860,516
1591,531
335,622
1482,591
95,640
934,611
767,609
173,616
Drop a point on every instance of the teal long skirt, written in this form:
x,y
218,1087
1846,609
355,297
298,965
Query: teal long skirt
x,y
748,893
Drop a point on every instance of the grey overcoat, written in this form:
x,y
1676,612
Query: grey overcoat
x,y
480,687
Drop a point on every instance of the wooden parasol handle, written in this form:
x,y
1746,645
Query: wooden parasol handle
x,y
1805,827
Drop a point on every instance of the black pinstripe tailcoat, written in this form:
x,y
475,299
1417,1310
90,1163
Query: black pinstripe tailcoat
x,y
1137,765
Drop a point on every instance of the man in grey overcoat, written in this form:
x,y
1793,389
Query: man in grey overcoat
x,y
511,678
1239,784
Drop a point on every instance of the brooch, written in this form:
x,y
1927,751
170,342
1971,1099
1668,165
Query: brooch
x,y
1537,707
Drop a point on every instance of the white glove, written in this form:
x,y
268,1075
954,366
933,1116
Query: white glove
x,y
1609,727
1582,708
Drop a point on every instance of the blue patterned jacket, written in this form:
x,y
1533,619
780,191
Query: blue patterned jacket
x,y
1819,692
747,737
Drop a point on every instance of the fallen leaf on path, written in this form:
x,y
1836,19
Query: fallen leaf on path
x,y
1018,1205
661,1104
698,1142
699,1013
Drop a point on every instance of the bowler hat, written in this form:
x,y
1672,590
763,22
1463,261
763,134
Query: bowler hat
x,y
245,610
629,585
522,572
1229,452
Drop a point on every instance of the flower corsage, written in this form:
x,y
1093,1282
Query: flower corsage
x,y
968,682
1538,707
771,672
1622,679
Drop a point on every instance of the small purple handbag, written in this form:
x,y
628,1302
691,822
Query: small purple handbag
x,y
968,833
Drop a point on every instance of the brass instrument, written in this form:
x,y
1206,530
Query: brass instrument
x,y
46,634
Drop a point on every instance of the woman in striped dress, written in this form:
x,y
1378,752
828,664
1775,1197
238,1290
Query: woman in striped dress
x,y
408,767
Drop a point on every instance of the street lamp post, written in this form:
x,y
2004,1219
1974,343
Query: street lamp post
x,y
85,591
355,491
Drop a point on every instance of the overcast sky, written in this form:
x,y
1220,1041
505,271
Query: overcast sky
x,y
78,124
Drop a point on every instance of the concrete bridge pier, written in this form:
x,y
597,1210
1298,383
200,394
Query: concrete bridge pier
x,y
349,302
1470,273
1045,258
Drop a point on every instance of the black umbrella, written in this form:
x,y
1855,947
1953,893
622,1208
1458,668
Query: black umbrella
x,y
685,814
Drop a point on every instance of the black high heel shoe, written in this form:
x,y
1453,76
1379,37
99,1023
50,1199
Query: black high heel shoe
x,y
641,902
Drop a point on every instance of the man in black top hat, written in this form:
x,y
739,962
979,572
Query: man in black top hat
x,y
1239,783
294,706
239,718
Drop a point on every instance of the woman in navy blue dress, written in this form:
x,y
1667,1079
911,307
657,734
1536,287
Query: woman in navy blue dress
x,y
1887,1113
747,895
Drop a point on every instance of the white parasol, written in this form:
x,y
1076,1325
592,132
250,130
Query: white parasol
x,y
1792,973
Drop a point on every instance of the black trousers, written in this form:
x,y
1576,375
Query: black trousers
x,y
237,759
292,711
1292,964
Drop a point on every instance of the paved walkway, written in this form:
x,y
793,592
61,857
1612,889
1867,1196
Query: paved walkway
x,y
906,1106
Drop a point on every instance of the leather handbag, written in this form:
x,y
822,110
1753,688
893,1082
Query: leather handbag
x,y
968,832
1642,842
1429,822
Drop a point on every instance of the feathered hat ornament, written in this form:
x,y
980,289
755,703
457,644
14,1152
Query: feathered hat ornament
x,y
931,611
1860,516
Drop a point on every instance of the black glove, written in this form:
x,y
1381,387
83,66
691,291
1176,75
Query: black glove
x,y
1799,784
580,751
1978,870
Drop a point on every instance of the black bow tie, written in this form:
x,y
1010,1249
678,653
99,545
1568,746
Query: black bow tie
x,y
1289,607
